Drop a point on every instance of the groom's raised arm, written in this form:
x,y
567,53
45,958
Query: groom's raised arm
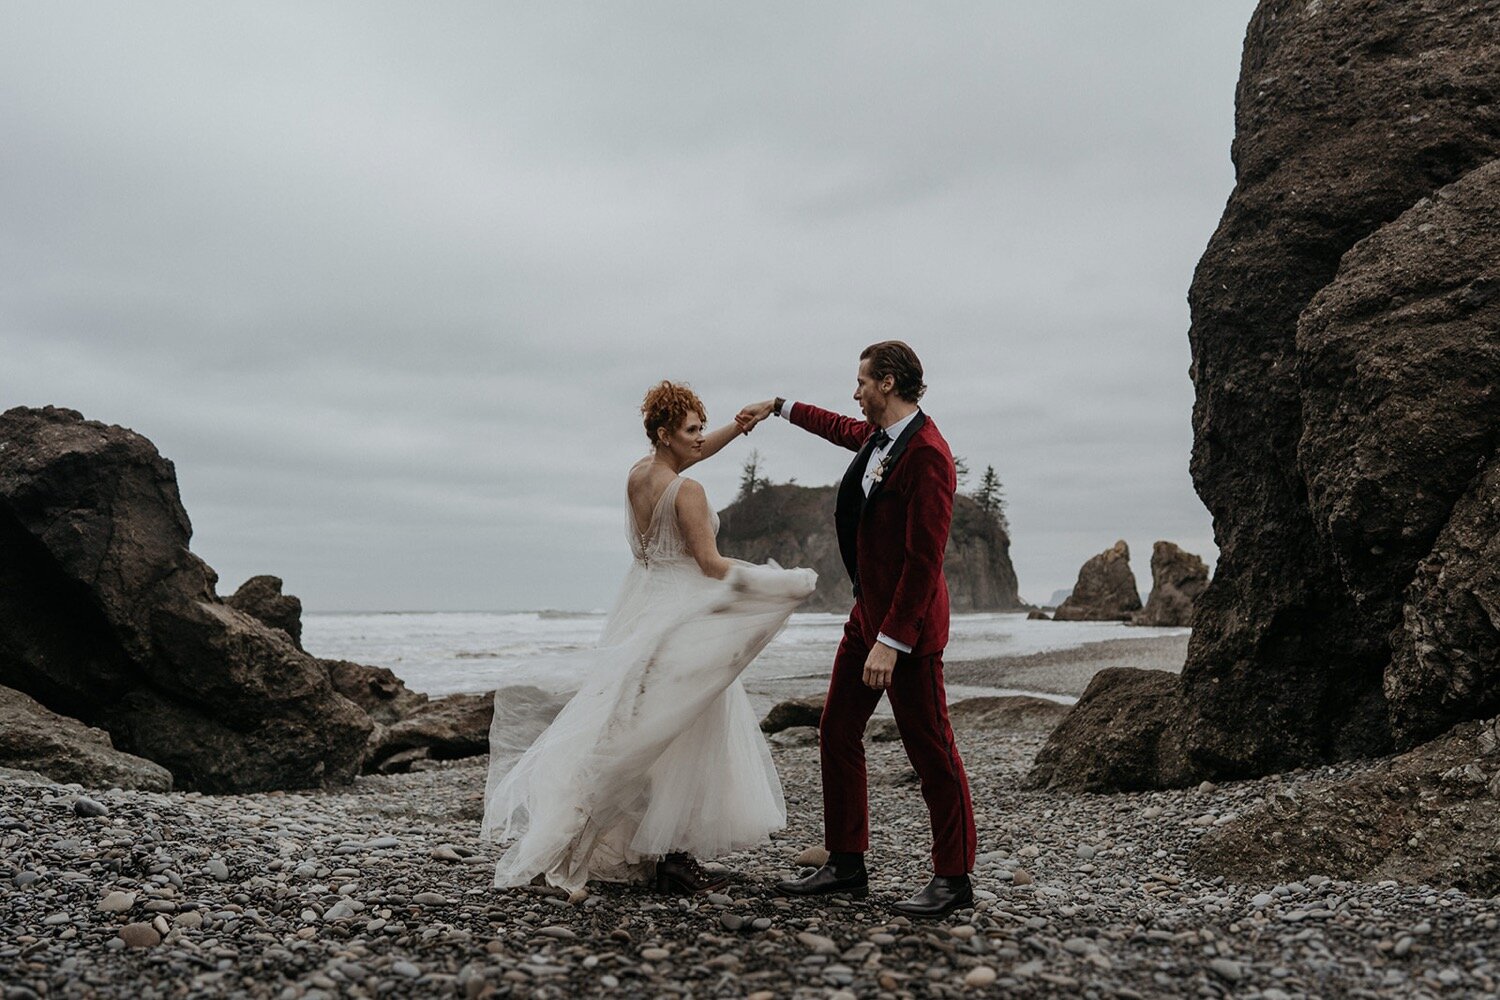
x,y
846,432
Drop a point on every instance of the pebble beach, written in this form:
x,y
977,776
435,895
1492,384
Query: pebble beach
x,y
382,888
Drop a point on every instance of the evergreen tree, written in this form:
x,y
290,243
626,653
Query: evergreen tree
x,y
991,497
751,481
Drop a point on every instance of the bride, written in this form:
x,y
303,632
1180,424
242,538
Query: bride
x,y
657,759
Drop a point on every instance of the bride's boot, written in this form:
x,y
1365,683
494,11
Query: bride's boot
x,y
680,874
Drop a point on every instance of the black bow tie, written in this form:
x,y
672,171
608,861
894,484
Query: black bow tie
x,y
881,438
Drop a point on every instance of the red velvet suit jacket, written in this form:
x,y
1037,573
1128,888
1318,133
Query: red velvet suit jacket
x,y
892,542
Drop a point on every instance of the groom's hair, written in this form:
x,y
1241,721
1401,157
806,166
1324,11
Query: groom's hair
x,y
900,362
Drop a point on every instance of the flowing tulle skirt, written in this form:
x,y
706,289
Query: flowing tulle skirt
x,y
659,749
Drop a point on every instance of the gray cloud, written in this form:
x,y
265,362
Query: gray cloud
x,y
387,281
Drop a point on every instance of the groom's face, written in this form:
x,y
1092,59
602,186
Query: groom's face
x,y
870,394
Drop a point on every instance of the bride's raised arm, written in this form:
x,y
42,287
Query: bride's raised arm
x,y
695,521
715,440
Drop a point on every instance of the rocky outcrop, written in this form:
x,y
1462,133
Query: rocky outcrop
x,y
1401,419
382,695
1106,590
1345,403
1177,578
67,751
261,597
1426,817
106,616
446,728
794,526
1122,735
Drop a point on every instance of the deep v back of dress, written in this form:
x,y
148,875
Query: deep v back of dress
x,y
660,538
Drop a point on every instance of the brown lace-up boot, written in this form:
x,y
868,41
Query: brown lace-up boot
x,y
680,874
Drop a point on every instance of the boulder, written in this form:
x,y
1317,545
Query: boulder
x,y
261,597
1123,735
1400,361
1323,346
1425,817
1106,590
106,616
384,697
1038,616
1177,578
457,725
67,751
796,712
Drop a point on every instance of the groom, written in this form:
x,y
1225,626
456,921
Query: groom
x,y
893,512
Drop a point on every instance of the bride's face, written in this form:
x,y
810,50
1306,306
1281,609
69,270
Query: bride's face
x,y
686,442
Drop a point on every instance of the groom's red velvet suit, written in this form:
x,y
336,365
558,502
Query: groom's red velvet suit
x,y
892,543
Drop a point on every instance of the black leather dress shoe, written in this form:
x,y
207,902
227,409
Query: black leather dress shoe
x,y
938,898
824,881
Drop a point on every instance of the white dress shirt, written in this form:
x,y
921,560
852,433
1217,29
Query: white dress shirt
x,y
868,482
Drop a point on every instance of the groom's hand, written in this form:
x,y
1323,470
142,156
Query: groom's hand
x,y
879,666
753,414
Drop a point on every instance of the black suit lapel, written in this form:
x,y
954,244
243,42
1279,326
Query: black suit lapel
x,y
848,506
897,447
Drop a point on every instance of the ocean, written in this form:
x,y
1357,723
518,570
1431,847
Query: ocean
x,y
448,652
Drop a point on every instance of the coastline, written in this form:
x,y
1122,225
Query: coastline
x,y
1068,671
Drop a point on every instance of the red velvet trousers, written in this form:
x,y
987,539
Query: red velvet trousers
x,y
920,706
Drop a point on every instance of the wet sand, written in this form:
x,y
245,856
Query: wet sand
x,y
1068,671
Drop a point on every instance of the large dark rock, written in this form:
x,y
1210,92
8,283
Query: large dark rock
x,y
261,597
1401,415
795,712
67,751
106,616
1177,578
457,725
1426,817
1123,735
1348,115
1106,590
794,526
384,696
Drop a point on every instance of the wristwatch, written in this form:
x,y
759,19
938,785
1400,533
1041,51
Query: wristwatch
x,y
776,407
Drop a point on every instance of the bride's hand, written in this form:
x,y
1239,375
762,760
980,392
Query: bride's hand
x,y
753,414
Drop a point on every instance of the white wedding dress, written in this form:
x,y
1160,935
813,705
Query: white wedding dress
x,y
659,749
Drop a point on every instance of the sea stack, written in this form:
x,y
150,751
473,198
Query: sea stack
x,y
1106,590
1177,578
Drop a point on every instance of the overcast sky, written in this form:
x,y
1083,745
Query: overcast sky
x,y
387,281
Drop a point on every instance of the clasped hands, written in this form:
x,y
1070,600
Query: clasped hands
x,y
753,414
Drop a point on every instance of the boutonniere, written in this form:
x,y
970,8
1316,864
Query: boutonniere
x,y
881,468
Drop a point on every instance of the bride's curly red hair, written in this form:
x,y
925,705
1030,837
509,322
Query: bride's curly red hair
x,y
667,404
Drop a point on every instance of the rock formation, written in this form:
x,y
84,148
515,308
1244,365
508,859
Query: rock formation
x,y
261,597
1106,590
1400,358
794,526
1177,578
106,616
446,728
1345,362
383,695
67,751
1428,816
